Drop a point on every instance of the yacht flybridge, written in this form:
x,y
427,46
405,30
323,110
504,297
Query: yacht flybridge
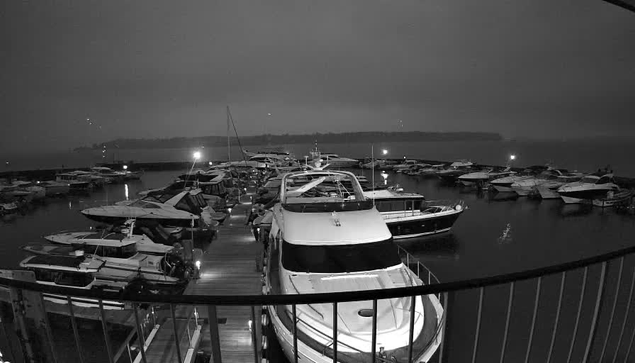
x,y
327,237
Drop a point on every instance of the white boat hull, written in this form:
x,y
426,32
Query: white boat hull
x,y
572,200
522,191
503,189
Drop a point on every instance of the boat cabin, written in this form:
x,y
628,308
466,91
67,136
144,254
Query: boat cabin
x,y
62,270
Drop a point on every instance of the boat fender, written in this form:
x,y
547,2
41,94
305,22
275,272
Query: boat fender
x,y
264,342
264,320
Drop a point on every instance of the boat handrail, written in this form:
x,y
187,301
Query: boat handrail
x,y
314,309
328,338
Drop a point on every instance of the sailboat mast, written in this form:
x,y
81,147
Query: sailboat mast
x,y
229,155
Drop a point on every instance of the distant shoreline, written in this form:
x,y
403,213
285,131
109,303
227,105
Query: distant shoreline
x,y
287,139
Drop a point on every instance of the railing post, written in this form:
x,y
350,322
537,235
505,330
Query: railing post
x,y
478,322
413,305
295,332
555,324
577,317
254,336
533,319
177,342
596,312
47,328
142,338
445,324
628,308
510,300
75,330
617,295
105,329
373,348
213,333
335,332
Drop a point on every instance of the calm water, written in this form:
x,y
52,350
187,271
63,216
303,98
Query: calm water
x,y
495,235
573,155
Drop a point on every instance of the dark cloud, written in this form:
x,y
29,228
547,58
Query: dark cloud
x,y
164,68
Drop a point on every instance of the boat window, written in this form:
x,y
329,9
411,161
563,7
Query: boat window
x,y
397,205
142,204
186,204
45,275
73,279
589,180
128,251
605,180
339,258
179,185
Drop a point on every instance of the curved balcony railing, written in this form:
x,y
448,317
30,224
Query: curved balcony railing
x,y
578,311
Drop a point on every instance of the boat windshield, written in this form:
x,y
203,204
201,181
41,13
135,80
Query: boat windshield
x,y
590,180
340,258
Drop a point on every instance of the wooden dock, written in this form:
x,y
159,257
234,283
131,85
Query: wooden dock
x,y
229,267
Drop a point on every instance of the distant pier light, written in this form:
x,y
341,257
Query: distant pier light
x,y
196,155
384,151
512,157
125,167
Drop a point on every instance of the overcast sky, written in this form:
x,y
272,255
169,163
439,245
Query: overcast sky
x,y
78,72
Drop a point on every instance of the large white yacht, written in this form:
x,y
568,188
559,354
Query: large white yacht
x,y
481,177
526,186
327,237
332,159
166,208
588,188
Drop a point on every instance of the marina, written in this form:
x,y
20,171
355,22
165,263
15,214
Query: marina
x,y
497,233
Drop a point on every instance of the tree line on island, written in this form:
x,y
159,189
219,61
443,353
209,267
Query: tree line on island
x,y
286,139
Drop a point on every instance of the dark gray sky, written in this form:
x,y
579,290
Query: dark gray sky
x,y
168,68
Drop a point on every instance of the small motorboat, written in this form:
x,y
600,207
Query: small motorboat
x,y
613,199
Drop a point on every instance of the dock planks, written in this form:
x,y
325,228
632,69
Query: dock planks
x,y
229,267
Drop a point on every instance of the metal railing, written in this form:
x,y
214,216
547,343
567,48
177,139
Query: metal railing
x,y
578,311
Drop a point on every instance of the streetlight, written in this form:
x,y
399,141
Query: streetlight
x,y
512,157
196,155
384,151
125,167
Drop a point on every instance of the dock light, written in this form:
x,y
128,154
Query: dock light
x,y
229,210
384,151
210,163
198,264
125,167
512,157
196,155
